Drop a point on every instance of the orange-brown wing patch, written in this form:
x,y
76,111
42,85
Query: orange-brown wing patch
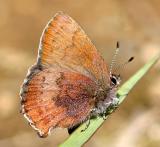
x,y
65,44
53,98
77,96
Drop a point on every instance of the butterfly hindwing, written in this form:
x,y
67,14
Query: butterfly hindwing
x,y
53,98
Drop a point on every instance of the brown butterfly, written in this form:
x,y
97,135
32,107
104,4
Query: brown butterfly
x,y
70,81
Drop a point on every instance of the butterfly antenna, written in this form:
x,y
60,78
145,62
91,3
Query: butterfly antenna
x,y
114,58
122,66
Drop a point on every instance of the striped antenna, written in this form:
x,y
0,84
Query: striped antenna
x,y
114,58
122,66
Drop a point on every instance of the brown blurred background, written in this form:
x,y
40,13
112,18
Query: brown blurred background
x,y
136,24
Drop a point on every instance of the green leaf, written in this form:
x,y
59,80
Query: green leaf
x,y
78,138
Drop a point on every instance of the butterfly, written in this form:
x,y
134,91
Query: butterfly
x,y
70,82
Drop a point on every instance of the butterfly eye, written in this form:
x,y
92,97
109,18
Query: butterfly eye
x,y
114,80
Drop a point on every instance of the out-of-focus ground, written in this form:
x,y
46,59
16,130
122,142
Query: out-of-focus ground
x,y
136,24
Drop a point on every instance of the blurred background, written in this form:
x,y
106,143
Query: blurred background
x,y
135,24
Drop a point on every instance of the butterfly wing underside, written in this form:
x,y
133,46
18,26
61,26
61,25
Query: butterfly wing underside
x,y
54,98
65,44
59,89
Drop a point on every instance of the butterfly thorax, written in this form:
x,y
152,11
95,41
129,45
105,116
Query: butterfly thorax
x,y
106,99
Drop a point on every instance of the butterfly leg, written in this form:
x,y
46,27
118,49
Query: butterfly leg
x,y
87,125
71,130
126,94
110,110
104,116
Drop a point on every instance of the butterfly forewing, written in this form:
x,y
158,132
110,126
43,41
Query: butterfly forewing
x,y
64,43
